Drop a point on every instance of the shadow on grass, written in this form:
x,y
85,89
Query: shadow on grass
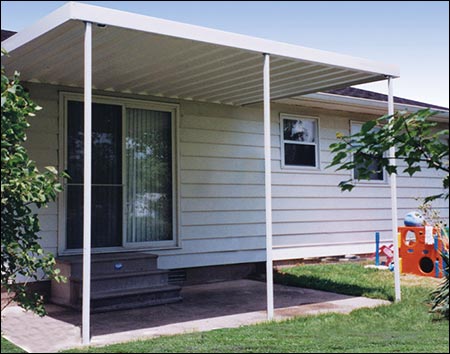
x,y
314,282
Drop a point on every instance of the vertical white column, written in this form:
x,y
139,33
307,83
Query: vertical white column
x,y
394,200
268,185
87,184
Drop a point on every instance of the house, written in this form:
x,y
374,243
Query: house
x,y
180,166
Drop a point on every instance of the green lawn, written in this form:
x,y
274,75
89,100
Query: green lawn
x,y
403,327
345,278
7,347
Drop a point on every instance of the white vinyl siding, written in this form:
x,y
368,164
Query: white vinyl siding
x,y
221,173
313,217
42,145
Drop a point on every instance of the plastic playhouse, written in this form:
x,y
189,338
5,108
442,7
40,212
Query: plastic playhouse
x,y
420,251
420,248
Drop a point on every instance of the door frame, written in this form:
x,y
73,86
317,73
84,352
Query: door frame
x,y
172,108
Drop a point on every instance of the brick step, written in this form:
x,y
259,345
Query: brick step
x,y
123,281
118,281
135,298
109,263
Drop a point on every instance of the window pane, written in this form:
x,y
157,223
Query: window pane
x,y
75,144
106,214
106,143
373,165
106,226
300,155
149,175
300,130
74,217
375,169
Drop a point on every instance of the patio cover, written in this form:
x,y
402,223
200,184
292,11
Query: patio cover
x,y
97,48
145,55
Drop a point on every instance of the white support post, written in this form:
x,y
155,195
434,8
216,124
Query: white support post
x,y
87,184
394,200
268,185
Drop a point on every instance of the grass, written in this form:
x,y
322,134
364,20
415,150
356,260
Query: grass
x,y
8,347
401,327
350,279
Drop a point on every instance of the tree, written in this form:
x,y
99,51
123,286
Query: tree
x,y
418,144
22,188
416,138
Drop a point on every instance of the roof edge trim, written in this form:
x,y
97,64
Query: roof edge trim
x,y
374,106
356,100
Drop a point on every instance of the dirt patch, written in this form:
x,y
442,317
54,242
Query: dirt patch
x,y
416,280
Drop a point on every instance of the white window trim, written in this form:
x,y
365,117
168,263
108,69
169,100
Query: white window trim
x,y
284,116
173,108
384,181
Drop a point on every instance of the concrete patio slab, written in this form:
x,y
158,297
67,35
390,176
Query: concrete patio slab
x,y
204,307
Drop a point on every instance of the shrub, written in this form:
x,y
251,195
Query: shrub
x,y
22,188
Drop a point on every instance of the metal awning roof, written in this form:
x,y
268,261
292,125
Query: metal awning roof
x,y
145,55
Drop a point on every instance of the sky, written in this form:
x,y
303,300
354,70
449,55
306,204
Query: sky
x,y
413,35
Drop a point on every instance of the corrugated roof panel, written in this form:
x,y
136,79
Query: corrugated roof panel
x,y
245,83
157,72
289,89
212,73
247,74
198,72
296,81
152,57
40,56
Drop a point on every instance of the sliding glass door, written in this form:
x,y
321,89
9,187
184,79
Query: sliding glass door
x,y
132,176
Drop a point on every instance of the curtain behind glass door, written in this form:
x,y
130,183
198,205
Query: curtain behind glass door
x,y
148,145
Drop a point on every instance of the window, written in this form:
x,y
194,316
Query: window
x,y
377,173
299,141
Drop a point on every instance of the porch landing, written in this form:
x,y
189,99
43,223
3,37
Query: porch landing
x,y
204,307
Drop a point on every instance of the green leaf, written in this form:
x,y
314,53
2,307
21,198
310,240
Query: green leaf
x,y
368,126
51,169
417,141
